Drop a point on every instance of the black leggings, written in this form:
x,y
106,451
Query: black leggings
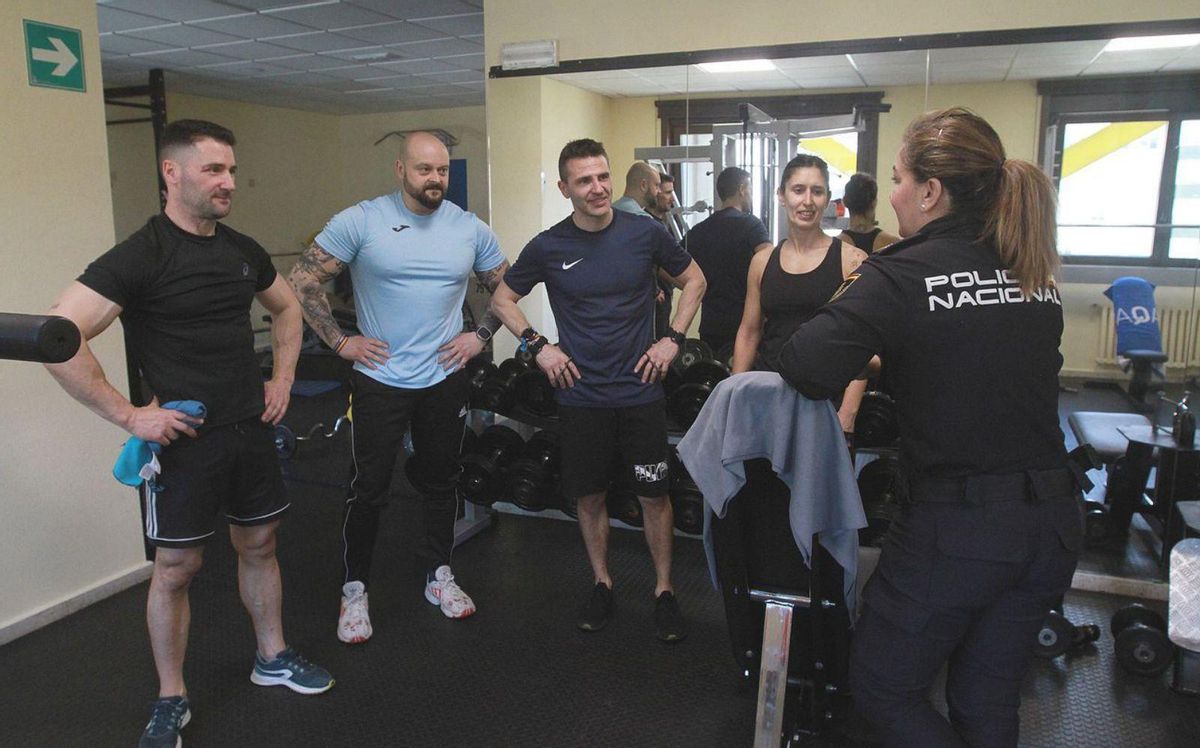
x,y
379,417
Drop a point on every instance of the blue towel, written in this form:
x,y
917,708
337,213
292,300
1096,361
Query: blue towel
x,y
138,461
1133,309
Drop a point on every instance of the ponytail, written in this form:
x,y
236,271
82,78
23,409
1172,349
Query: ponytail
x,y
1023,226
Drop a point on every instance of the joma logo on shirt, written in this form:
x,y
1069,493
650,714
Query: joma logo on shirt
x,y
650,473
970,288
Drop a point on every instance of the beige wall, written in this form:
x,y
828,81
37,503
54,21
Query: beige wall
x,y
67,527
631,27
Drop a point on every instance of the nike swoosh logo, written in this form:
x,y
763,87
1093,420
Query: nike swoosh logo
x,y
401,227
569,265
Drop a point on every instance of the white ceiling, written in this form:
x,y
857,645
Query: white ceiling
x,y
345,56
337,56
957,65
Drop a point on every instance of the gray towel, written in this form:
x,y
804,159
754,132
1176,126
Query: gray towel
x,y
757,414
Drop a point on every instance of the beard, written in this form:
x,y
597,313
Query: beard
x,y
423,197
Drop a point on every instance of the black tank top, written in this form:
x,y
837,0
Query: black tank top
x,y
864,240
789,299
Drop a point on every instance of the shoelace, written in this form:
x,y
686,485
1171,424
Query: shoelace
x,y
295,660
450,588
164,714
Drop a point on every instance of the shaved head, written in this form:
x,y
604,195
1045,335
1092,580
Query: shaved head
x,y
422,144
643,184
639,171
423,170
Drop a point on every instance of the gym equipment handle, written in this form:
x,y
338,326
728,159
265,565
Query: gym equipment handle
x,y
31,337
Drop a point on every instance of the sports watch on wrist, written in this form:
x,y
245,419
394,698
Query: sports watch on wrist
x,y
483,333
678,338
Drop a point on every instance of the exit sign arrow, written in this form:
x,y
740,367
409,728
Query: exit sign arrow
x,y
64,59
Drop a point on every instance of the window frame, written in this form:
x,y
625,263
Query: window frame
x,y
1171,98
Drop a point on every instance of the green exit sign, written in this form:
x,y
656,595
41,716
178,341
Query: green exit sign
x,y
54,56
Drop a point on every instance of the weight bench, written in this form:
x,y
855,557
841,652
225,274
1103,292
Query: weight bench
x,y
1101,431
788,625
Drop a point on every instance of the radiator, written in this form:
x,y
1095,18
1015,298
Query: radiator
x,y
1179,336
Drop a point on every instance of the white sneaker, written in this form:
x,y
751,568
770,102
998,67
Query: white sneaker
x,y
354,622
444,592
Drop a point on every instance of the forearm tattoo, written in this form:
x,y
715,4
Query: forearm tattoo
x,y
314,268
490,279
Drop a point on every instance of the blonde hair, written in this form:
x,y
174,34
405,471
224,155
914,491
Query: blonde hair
x,y
1014,199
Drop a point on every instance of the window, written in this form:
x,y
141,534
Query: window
x,y
1125,156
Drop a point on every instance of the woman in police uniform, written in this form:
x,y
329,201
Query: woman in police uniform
x,y
966,319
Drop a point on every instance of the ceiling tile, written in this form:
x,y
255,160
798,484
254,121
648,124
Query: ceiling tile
x,y
393,32
455,76
317,41
296,61
261,5
118,44
824,61
417,8
346,72
186,58
466,62
415,67
333,17
179,35
300,78
176,10
253,26
1005,52
1183,63
248,50
243,69
444,47
470,23
887,59
111,19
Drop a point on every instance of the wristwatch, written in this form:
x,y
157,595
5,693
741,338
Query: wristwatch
x,y
678,338
536,345
483,333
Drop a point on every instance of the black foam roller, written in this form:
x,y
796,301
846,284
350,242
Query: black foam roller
x,y
32,337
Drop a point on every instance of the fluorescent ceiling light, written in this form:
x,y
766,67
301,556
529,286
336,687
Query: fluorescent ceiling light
x,y
737,66
1138,43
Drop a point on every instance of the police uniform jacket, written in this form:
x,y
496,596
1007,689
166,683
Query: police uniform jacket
x,y
971,361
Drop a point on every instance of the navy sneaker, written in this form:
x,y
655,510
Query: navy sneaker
x,y
167,718
290,669
598,609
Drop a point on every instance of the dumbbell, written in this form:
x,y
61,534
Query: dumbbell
x,y
479,370
570,506
1141,640
696,384
285,442
535,393
1095,519
497,393
687,503
623,504
692,350
533,476
482,478
414,467
876,424
1058,635
879,487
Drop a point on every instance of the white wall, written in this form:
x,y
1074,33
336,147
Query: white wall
x,y
66,526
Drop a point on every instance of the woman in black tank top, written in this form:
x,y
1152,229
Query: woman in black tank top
x,y
786,286
861,195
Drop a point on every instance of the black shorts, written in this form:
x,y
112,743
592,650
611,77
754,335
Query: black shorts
x,y
232,468
603,445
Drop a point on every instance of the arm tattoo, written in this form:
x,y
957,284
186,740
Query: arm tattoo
x,y
314,268
490,279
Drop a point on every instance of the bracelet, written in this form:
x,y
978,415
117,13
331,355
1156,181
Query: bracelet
x,y
338,346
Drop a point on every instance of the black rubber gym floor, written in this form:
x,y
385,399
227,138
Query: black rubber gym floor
x,y
516,673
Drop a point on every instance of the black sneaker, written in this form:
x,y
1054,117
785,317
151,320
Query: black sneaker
x,y
598,609
668,620
167,718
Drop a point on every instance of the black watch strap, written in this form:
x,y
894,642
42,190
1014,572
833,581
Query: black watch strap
x,y
678,338
536,346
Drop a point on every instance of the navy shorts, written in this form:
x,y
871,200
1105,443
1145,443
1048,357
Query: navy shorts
x,y
603,445
231,468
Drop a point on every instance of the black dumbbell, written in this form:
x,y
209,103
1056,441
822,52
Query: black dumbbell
x,y
482,478
285,442
479,370
1141,640
692,350
696,384
570,506
879,485
876,424
533,476
623,505
497,393
1058,635
535,394
687,503
414,467
1095,519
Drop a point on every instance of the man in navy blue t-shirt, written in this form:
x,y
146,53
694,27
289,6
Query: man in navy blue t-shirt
x,y
597,265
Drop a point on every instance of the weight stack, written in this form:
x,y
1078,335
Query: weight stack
x,y
1183,615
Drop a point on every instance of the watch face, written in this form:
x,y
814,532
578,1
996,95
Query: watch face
x,y
483,334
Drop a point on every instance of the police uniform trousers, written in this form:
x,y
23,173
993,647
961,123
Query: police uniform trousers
x,y
968,571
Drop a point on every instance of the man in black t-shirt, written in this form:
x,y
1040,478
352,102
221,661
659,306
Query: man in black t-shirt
x,y
182,287
597,267
722,245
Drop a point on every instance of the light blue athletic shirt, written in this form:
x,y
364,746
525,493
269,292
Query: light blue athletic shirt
x,y
410,275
